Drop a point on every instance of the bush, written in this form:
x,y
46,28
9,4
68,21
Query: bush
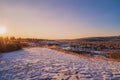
x,y
7,45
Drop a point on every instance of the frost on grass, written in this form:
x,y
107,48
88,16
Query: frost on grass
x,y
46,64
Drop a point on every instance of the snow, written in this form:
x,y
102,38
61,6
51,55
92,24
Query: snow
x,y
46,64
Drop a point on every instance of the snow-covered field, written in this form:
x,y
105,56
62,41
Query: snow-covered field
x,y
46,64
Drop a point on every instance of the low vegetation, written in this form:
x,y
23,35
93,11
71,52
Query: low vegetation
x,y
109,46
115,55
105,47
9,44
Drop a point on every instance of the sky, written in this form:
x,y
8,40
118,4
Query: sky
x,y
60,19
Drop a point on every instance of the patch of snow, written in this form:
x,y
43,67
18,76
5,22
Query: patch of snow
x,y
46,64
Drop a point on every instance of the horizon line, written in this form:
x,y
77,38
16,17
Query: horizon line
x,y
61,38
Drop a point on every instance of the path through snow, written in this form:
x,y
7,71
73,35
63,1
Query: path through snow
x,y
46,64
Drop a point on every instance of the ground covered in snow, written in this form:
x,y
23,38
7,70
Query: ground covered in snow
x,y
46,64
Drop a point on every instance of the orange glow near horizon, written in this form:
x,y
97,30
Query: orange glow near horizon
x,y
64,20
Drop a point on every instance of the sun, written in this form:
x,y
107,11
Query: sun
x,y
2,30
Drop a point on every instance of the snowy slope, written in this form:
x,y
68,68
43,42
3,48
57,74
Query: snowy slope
x,y
46,64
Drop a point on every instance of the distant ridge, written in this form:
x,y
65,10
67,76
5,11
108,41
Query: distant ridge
x,y
108,38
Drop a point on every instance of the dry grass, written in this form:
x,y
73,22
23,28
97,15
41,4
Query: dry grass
x,y
7,45
74,53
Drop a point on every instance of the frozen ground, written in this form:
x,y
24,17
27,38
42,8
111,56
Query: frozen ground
x,y
46,64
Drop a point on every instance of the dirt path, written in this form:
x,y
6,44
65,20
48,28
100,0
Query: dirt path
x,y
46,64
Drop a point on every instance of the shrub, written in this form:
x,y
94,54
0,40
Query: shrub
x,y
7,45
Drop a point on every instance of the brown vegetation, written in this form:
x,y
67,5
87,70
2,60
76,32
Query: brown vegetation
x,y
112,48
9,44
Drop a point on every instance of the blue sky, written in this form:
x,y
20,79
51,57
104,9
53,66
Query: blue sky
x,y
59,19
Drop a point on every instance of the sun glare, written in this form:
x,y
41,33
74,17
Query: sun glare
x,y
2,30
